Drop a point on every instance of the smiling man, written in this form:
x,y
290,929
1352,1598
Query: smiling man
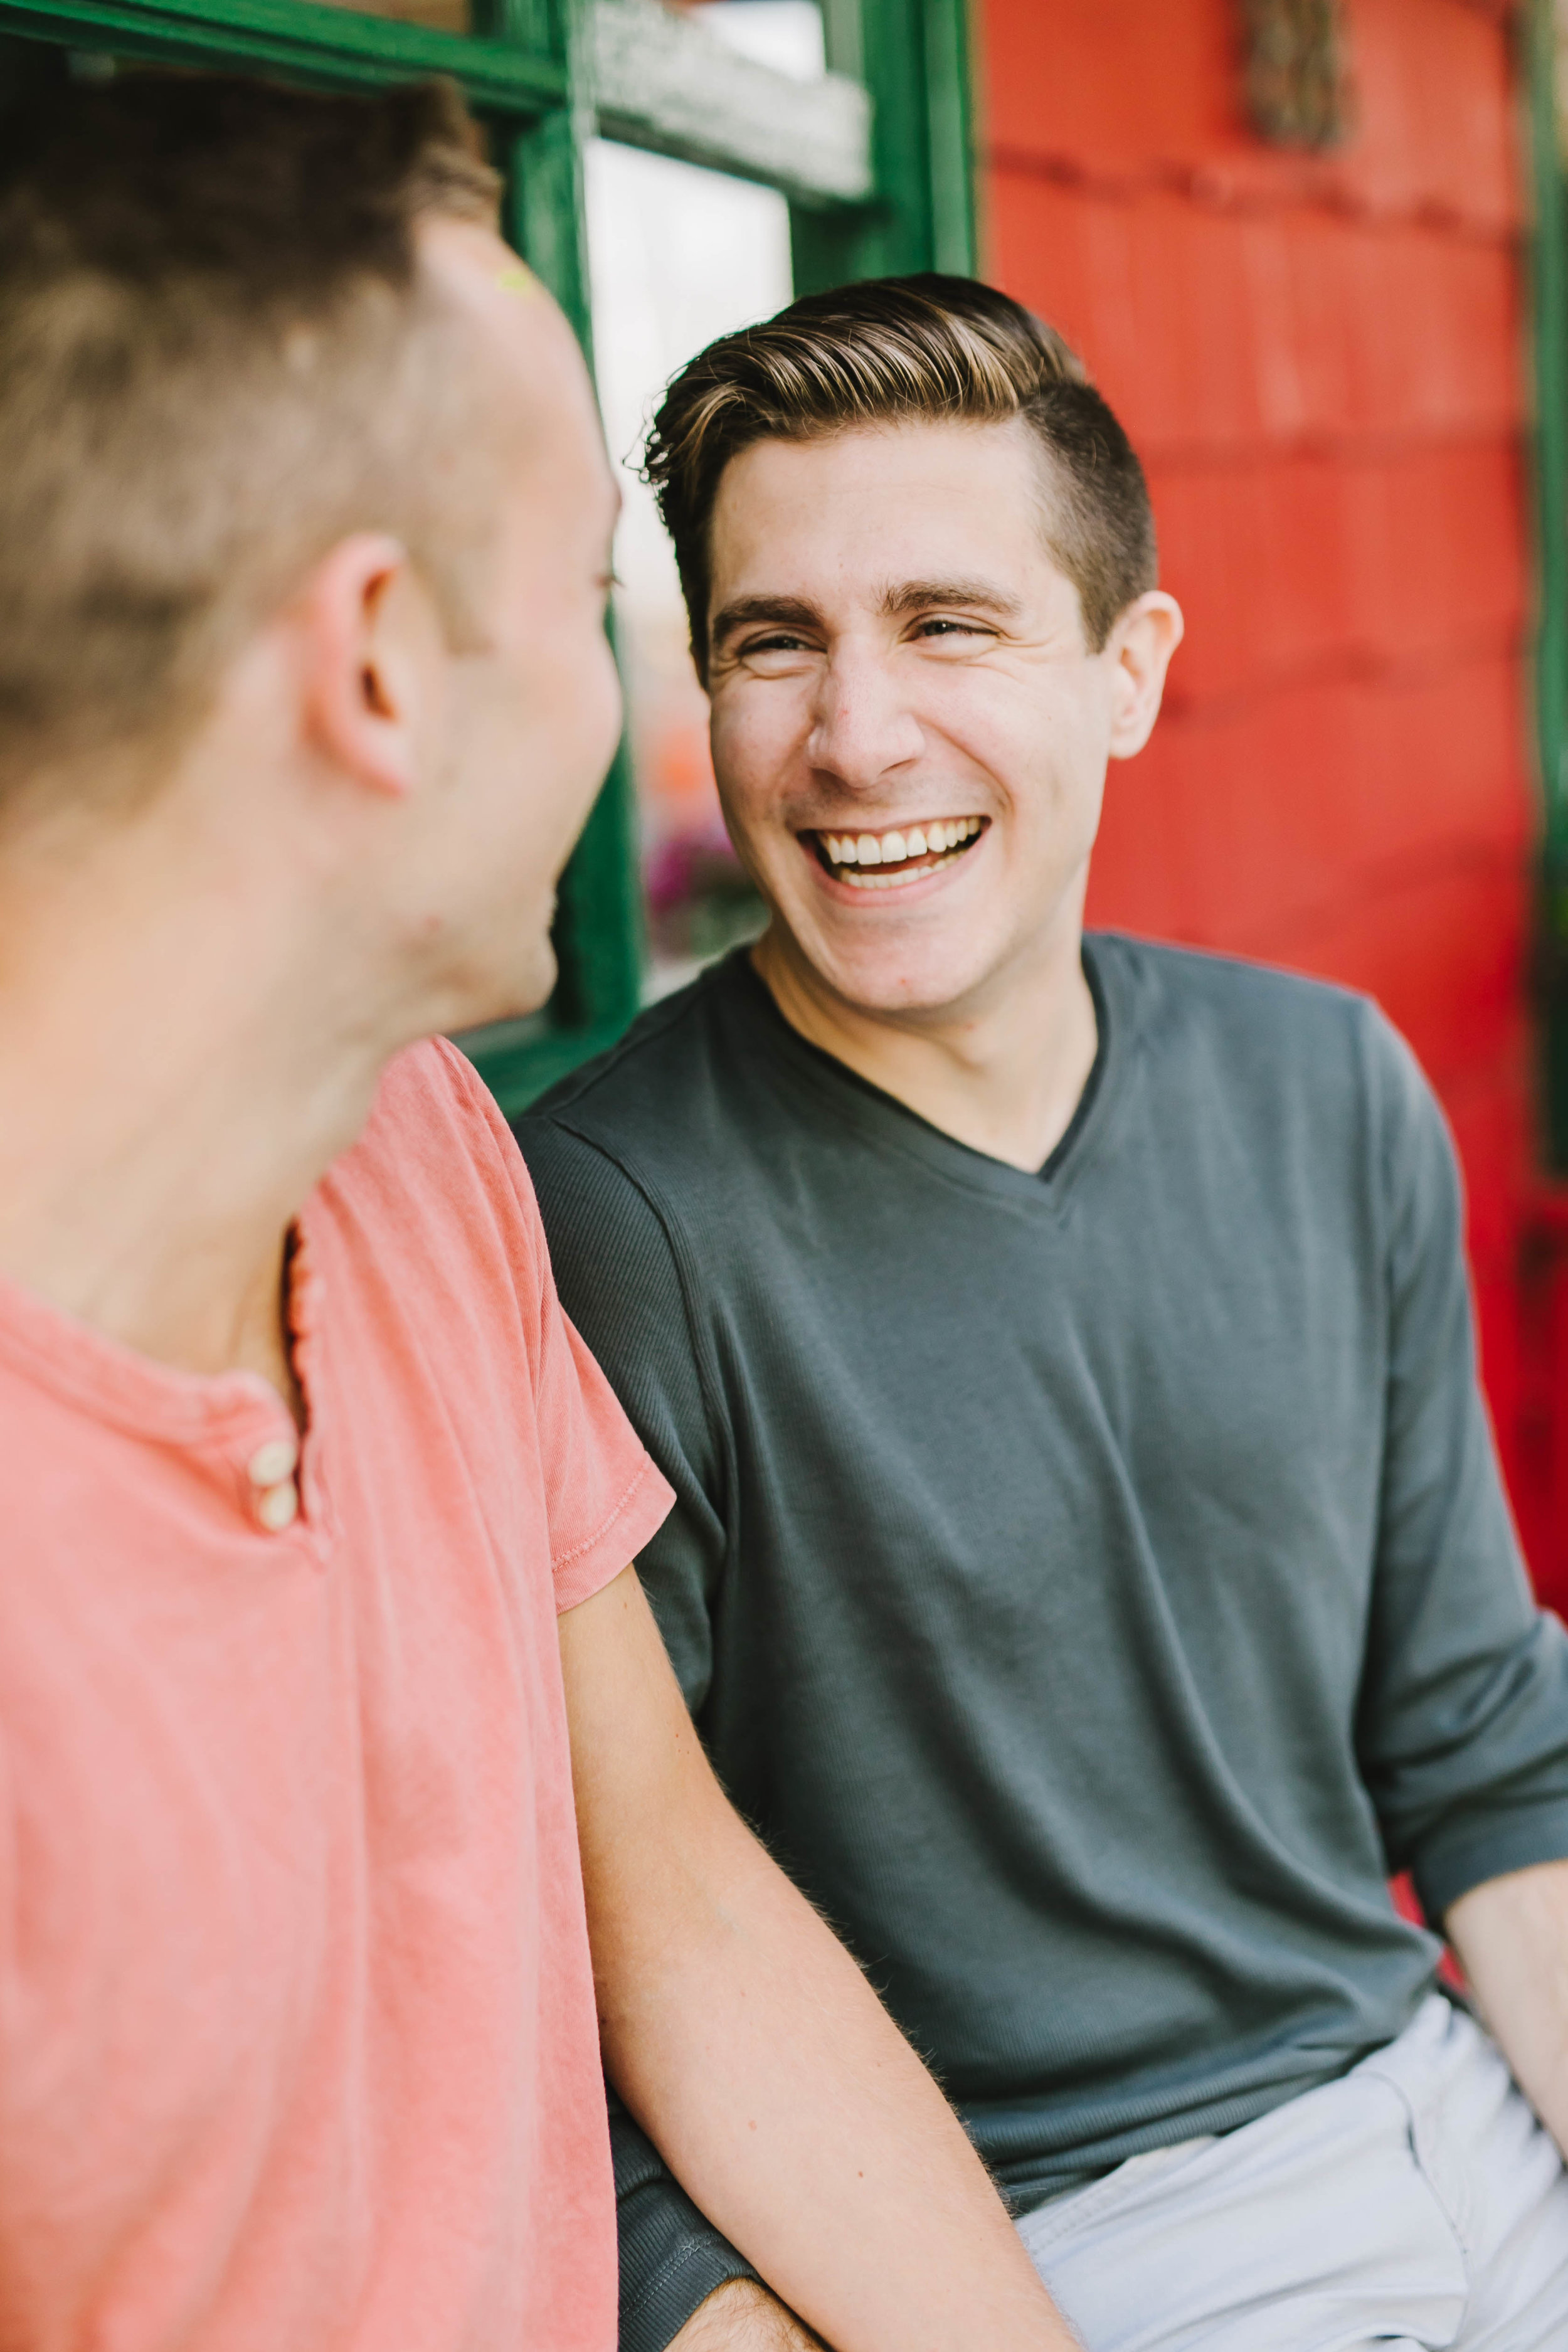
x,y
1089,1567
318,1637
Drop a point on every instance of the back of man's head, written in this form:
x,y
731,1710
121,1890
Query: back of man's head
x,y
221,356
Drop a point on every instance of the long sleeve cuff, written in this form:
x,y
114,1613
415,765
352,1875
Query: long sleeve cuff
x,y
1477,1846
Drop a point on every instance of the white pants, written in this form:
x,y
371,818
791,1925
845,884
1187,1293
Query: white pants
x,y
1413,2206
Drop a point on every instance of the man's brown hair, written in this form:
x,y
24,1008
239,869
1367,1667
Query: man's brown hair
x,y
220,356
894,351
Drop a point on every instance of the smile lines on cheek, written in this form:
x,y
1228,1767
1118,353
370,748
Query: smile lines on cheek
x,y
911,853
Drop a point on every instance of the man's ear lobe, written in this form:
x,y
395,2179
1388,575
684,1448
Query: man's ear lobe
x,y
1142,643
371,648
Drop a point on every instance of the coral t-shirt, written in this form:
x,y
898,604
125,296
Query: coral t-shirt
x,y
298,2046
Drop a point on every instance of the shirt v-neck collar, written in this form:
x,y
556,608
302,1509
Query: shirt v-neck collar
x,y
886,1122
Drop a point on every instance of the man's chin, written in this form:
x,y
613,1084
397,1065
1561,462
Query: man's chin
x,y
512,995
882,983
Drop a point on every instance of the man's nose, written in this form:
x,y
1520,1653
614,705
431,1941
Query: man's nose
x,y
862,726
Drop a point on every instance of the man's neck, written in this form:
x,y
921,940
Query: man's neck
x,y
177,1076
1002,1073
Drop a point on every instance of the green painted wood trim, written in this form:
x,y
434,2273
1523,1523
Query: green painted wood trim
x,y
335,45
1549,319
948,97
534,24
598,924
915,57
517,1075
542,163
598,931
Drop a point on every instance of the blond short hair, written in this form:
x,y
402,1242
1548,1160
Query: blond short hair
x,y
220,356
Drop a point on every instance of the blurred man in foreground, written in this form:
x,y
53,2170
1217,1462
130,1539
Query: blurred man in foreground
x,y
304,524
1090,1568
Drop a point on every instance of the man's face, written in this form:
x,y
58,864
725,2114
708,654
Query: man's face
x,y
910,733
532,716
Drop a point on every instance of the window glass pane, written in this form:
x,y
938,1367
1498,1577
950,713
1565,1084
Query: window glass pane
x,y
678,257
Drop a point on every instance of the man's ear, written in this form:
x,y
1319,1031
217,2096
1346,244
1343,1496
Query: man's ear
x,y
1139,648
373,656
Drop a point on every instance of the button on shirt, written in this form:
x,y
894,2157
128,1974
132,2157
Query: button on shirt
x,y
297,2035
272,1471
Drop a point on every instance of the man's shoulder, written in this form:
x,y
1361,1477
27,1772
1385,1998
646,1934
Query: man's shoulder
x,y
434,1188
639,1164
1257,1015
1304,1066
1231,990
433,1126
675,1095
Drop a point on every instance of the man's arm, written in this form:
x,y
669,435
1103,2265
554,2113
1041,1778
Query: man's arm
x,y
1511,1937
619,1275
742,2316
1462,1726
748,2045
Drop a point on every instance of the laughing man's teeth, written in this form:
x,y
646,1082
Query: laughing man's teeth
x,y
935,840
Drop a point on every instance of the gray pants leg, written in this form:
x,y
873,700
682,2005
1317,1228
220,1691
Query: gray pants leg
x,y
1414,2206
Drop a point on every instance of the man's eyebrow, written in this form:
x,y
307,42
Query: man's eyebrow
x,y
920,596
784,611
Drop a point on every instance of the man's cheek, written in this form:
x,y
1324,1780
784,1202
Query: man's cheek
x,y
724,737
744,761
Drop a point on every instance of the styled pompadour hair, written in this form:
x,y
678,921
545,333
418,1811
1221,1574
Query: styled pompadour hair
x,y
895,350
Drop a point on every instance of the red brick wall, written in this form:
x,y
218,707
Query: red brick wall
x,y
1322,364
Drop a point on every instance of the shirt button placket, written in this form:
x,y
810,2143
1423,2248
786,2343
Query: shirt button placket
x,y
270,1470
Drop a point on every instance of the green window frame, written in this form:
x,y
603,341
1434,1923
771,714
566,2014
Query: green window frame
x,y
875,163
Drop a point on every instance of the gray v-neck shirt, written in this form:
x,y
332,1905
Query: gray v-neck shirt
x,y
1092,1583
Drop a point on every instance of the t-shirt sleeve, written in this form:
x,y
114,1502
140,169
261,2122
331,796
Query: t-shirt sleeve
x,y
625,1274
1463,1723
603,1493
